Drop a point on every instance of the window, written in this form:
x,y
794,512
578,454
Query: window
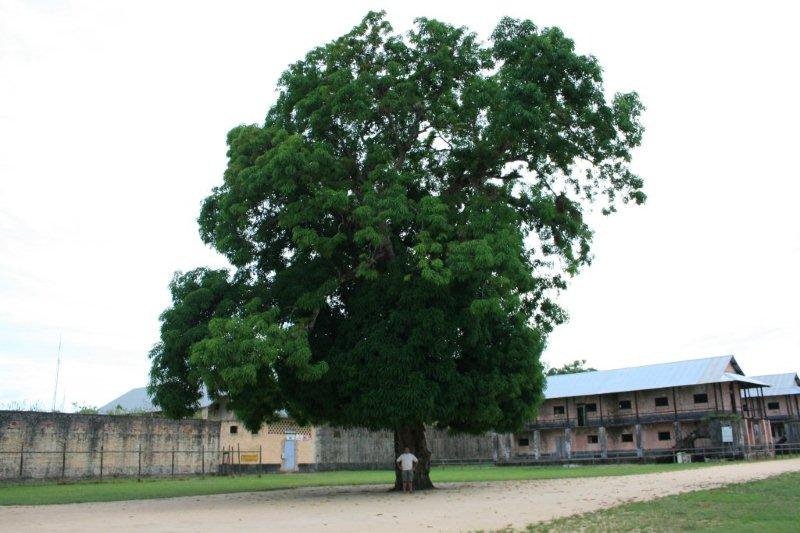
x,y
523,441
662,401
627,437
337,434
234,430
772,406
664,435
558,409
591,407
591,439
624,404
701,398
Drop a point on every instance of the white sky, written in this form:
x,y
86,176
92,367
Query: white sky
x,y
113,119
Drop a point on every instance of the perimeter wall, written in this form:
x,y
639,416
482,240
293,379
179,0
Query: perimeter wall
x,y
37,445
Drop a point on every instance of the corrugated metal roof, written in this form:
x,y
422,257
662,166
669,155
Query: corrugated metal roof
x,y
781,384
660,376
137,400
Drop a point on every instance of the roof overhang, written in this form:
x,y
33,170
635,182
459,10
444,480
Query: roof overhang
x,y
744,381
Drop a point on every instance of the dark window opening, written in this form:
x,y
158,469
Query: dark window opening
x,y
701,398
337,434
234,429
523,442
773,406
592,439
558,409
664,435
591,407
627,437
624,404
662,401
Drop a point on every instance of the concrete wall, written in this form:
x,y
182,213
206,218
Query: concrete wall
x,y
54,445
361,448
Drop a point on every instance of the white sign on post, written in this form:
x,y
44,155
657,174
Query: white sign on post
x,y
727,434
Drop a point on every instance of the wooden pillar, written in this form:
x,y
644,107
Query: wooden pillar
x,y
636,404
751,407
674,403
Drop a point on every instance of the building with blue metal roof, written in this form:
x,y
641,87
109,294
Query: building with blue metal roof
x,y
694,406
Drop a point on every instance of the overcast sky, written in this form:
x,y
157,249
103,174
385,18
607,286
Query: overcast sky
x,y
113,118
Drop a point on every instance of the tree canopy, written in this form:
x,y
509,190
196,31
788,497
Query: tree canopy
x,y
398,228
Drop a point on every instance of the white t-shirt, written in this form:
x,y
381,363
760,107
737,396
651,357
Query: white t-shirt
x,y
407,461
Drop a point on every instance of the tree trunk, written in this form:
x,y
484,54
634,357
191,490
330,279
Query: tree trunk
x,y
413,438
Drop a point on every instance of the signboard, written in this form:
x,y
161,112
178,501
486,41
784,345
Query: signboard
x,y
727,434
297,436
249,458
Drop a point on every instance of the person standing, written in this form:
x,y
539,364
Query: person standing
x,y
408,462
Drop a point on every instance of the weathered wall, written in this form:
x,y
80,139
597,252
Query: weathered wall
x,y
792,431
54,445
361,448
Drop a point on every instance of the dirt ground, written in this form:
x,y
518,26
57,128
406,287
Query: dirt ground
x,y
452,507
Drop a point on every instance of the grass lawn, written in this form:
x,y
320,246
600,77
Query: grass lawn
x,y
38,493
769,505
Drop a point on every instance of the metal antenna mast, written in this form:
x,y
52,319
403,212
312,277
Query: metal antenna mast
x,y
58,368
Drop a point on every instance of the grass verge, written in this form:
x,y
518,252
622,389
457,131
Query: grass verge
x,y
768,505
42,493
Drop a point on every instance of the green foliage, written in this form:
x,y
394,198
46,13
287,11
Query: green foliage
x,y
766,505
197,297
84,409
399,226
575,367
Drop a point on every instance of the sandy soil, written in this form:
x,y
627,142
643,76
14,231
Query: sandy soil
x,y
453,507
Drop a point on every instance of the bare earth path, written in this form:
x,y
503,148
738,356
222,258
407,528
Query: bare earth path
x,y
453,507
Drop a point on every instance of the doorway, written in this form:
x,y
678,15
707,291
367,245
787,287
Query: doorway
x,y
581,414
289,456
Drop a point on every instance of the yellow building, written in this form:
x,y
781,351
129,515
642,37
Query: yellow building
x,y
282,445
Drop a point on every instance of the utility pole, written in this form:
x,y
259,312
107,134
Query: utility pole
x,y
58,368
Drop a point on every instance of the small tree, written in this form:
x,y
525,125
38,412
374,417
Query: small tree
x,y
397,228
575,367
82,409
